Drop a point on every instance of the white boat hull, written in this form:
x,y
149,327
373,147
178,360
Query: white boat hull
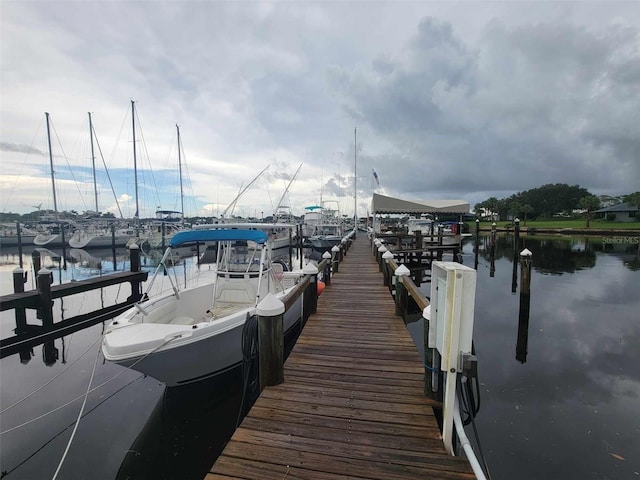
x,y
44,240
178,353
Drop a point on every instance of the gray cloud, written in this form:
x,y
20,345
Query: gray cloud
x,y
12,147
467,104
526,106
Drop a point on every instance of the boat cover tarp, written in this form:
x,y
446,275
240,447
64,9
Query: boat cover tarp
x,y
383,204
217,235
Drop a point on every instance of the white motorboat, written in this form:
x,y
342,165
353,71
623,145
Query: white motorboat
x,y
196,333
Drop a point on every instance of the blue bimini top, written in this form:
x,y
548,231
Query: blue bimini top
x,y
217,235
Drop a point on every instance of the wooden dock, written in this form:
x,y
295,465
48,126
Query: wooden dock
x,y
352,404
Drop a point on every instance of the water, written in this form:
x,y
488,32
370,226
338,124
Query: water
x,y
133,426
570,411
569,406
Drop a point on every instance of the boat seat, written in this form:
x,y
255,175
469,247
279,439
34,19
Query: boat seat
x,y
182,321
236,292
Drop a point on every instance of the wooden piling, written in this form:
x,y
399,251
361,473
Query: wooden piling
x,y
525,303
311,295
335,259
401,291
271,341
134,262
19,279
45,279
19,233
36,261
326,271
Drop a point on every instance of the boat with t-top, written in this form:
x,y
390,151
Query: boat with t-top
x,y
195,333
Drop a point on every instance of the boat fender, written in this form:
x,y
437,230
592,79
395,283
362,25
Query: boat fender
x,y
321,286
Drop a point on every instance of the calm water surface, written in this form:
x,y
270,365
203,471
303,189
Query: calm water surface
x,y
564,404
132,426
567,408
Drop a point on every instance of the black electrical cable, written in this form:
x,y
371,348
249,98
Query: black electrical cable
x,y
471,407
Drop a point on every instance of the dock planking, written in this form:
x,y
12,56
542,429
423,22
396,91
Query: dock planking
x,y
352,403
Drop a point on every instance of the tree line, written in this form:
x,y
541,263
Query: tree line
x,y
548,201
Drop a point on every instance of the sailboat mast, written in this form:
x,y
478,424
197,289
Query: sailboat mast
x,y
180,173
135,161
355,179
53,180
279,205
93,163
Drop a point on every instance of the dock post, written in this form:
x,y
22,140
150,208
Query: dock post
x,y
326,273
271,341
401,291
419,243
492,251
493,234
312,289
381,250
19,279
134,260
525,303
300,242
19,233
386,274
477,245
335,261
290,248
45,279
36,260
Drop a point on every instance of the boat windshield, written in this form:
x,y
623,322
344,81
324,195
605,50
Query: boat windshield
x,y
239,256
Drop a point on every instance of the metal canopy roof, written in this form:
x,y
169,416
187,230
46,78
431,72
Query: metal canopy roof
x,y
621,207
384,204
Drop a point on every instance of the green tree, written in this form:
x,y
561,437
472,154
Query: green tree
x,y
526,209
633,199
589,203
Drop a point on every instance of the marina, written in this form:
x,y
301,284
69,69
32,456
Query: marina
x,y
513,419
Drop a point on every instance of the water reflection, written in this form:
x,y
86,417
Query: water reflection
x,y
579,338
566,405
186,430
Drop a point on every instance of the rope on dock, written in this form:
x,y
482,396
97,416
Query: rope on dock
x,y
75,427
94,388
52,379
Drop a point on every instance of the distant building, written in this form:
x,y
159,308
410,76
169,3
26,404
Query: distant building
x,y
622,212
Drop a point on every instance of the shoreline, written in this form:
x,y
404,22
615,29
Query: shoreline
x,y
621,232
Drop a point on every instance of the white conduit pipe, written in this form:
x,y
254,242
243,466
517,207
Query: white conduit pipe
x,y
464,442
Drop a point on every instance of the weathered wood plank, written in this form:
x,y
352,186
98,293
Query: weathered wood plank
x,y
352,403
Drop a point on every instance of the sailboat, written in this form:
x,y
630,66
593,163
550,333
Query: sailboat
x,y
55,233
196,333
96,235
167,222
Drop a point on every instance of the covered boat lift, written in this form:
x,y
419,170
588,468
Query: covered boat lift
x,y
382,204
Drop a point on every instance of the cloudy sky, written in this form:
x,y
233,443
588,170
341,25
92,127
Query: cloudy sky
x,y
451,100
